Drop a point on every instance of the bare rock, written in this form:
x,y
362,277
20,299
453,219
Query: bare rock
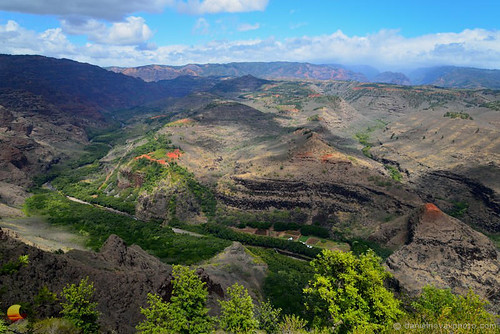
x,y
443,251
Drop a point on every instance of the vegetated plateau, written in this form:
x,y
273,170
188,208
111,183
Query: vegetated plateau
x,y
271,205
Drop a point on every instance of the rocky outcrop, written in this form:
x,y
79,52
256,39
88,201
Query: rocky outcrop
x,y
122,275
443,251
238,264
168,200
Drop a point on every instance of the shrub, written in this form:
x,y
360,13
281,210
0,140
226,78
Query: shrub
x,y
268,317
317,231
78,307
348,293
237,312
185,313
55,326
442,307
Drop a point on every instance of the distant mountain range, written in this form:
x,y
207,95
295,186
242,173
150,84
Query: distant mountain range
x,y
444,76
456,77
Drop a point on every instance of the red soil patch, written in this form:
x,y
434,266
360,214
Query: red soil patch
x,y
176,154
326,157
432,211
146,156
159,116
261,232
312,241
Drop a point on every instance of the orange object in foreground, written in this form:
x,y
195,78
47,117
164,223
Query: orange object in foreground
x,y
14,313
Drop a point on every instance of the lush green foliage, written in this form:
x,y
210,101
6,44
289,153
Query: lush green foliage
x,y
185,313
317,231
348,293
280,226
224,232
361,246
13,266
3,327
292,324
454,114
78,306
237,311
268,317
442,308
44,297
97,224
285,281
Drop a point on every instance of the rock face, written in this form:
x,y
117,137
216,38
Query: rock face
x,y
237,264
167,200
122,275
444,252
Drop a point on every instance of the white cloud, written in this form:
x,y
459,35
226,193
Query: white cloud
x,y
15,39
387,49
133,31
221,6
201,26
248,26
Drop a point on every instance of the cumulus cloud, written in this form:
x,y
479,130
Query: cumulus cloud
x,y
132,31
248,26
387,49
219,6
15,39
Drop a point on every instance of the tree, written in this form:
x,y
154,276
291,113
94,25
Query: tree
x,y
347,293
78,308
268,317
442,307
185,313
237,312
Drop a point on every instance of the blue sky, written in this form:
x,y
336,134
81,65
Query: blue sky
x,y
385,34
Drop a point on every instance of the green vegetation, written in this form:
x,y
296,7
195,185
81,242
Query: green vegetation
x,y
97,224
380,181
459,209
363,140
460,115
185,313
361,246
78,307
442,308
494,105
317,231
364,137
394,172
267,317
12,267
314,118
3,327
227,233
285,281
348,293
237,314
280,226
55,325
